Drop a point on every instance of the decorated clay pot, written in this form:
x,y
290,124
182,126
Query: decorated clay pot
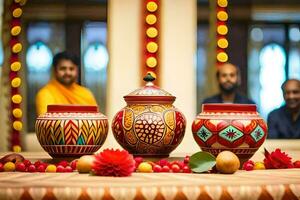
x,y
149,125
71,130
234,127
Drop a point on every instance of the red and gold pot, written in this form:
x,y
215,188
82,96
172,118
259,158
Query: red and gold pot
x,y
234,127
149,125
71,130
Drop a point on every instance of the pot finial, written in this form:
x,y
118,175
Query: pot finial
x,y
149,78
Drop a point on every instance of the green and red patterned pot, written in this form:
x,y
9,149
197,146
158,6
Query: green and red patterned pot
x,y
71,130
149,125
234,127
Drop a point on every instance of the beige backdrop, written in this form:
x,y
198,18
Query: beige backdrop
x,y
178,60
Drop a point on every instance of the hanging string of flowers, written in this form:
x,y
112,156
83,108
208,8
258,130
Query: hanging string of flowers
x,y
14,77
150,37
222,30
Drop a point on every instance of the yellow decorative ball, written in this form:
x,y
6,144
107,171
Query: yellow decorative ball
x,y
16,82
151,62
16,98
51,168
222,29
222,43
17,125
259,166
17,148
151,6
152,47
17,113
17,12
222,3
15,66
222,15
152,32
152,73
17,48
17,1
16,30
9,167
222,57
151,19
145,167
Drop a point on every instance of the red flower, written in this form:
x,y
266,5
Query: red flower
x,y
277,160
113,163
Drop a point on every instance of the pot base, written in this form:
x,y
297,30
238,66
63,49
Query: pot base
x,y
243,154
70,151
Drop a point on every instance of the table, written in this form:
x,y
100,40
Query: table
x,y
259,184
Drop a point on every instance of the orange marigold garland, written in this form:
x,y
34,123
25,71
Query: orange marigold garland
x,y
112,162
150,38
15,79
222,30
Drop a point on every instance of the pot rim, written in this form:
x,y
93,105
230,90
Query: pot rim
x,y
64,108
228,108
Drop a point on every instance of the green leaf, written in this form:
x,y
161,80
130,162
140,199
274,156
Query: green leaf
x,y
202,161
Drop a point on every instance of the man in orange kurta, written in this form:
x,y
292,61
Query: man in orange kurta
x,y
63,89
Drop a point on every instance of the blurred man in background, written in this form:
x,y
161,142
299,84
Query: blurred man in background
x,y
63,89
284,122
228,78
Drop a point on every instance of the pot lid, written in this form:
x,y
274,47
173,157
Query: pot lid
x,y
150,93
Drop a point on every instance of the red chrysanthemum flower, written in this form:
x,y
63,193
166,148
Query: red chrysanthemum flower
x,y
277,160
112,162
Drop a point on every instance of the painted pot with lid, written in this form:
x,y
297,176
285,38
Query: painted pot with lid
x,y
149,125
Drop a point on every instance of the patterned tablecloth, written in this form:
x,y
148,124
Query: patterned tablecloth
x,y
259,184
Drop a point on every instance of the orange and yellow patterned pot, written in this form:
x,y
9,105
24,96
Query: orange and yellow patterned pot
x,y
234,127
71,130
149,125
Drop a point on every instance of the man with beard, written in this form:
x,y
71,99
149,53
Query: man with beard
x,y
63,89
228,79
284,122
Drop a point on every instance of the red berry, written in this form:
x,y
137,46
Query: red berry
x,y
26,162
175,168
45,165
163,162
186,159
60,168
41,168
248,166
73,164
31,168
165,168
139,159
1,167
249,162
179,163
63,163
186,169
37,163
20,167
297,164
157,168
68,169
